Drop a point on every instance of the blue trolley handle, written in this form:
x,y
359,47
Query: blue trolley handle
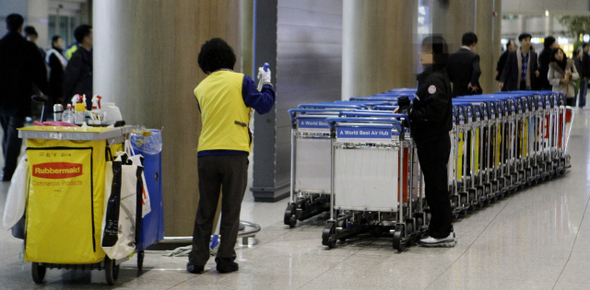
x,y
380,114
398,126
293,112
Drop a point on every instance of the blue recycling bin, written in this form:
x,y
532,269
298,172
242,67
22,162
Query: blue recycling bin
x,y
152,225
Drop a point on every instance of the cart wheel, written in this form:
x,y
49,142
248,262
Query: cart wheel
x,y
329,235
290,216
111,270
419,222
140,256
38,273
398,235
344,225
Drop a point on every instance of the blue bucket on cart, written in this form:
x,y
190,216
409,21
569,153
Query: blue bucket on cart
x,y
152,225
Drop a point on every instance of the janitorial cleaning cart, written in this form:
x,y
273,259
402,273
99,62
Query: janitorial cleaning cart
x,y
66,197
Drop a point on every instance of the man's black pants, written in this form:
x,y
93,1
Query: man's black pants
x,y
228,173
433,156
10,144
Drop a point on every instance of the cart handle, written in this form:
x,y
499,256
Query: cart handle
x,y
397,125
370,114
329,106
293,112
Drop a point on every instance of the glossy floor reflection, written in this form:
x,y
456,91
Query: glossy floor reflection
x,y
536,239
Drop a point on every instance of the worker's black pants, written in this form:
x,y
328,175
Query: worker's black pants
x,y
434,156
10,144
228,173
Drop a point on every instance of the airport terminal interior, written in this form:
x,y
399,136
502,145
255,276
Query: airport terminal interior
x,y
337,52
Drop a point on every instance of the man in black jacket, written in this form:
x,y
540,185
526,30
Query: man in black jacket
x,y
78,74
463,67
544,59
521,69
21,65
510,47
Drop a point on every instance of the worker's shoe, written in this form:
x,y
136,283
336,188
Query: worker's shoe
x,y
443,242
194,268
226,265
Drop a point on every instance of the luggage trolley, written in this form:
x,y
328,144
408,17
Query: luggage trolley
x,y
65,204
367,166
472,162
310,163
486,142
462,193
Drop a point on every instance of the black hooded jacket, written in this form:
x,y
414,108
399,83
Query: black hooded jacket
x,y
431,115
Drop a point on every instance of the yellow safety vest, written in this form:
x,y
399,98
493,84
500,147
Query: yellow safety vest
x,y
224,114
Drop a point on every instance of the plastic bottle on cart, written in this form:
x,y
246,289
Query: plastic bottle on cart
x,y
80,114
97,115
68,115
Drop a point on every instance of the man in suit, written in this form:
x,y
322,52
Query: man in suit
x,y
463,67
521,67
21,65
510,47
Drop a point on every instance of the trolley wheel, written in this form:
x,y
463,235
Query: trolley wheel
x,y
290,215
329,235
111,270
398,236
419,222
140,256
343,224
38,272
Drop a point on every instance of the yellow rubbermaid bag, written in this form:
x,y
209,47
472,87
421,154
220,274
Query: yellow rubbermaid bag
x,y
66,201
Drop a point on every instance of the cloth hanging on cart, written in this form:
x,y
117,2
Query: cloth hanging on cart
x,y
16,201
122,218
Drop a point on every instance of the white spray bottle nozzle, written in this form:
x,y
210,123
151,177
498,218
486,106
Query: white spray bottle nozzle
x,y
75,99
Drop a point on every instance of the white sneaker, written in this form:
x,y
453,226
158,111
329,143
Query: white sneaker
x,y
444,242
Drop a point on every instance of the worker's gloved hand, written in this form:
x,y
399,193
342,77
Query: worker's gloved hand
x,y
403,101
404,108
264,76
404,105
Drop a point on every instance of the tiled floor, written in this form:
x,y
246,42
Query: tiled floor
x,y
538,238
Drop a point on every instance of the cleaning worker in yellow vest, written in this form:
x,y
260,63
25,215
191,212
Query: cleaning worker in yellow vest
x,y
225,100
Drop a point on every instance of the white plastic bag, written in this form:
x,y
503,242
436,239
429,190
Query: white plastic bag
x,y
136,159
119,226
16,200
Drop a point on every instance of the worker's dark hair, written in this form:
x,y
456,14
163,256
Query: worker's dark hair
x,y
30,30
440,52
554,52
55,38
508,43
549,41
468,39
81,32
523,36
216,54
585,44
14,22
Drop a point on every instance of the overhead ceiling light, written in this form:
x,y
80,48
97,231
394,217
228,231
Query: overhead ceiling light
x,y
547,13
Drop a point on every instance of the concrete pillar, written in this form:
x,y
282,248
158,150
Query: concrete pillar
x,y
377,46
477,16
145,60
37,17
